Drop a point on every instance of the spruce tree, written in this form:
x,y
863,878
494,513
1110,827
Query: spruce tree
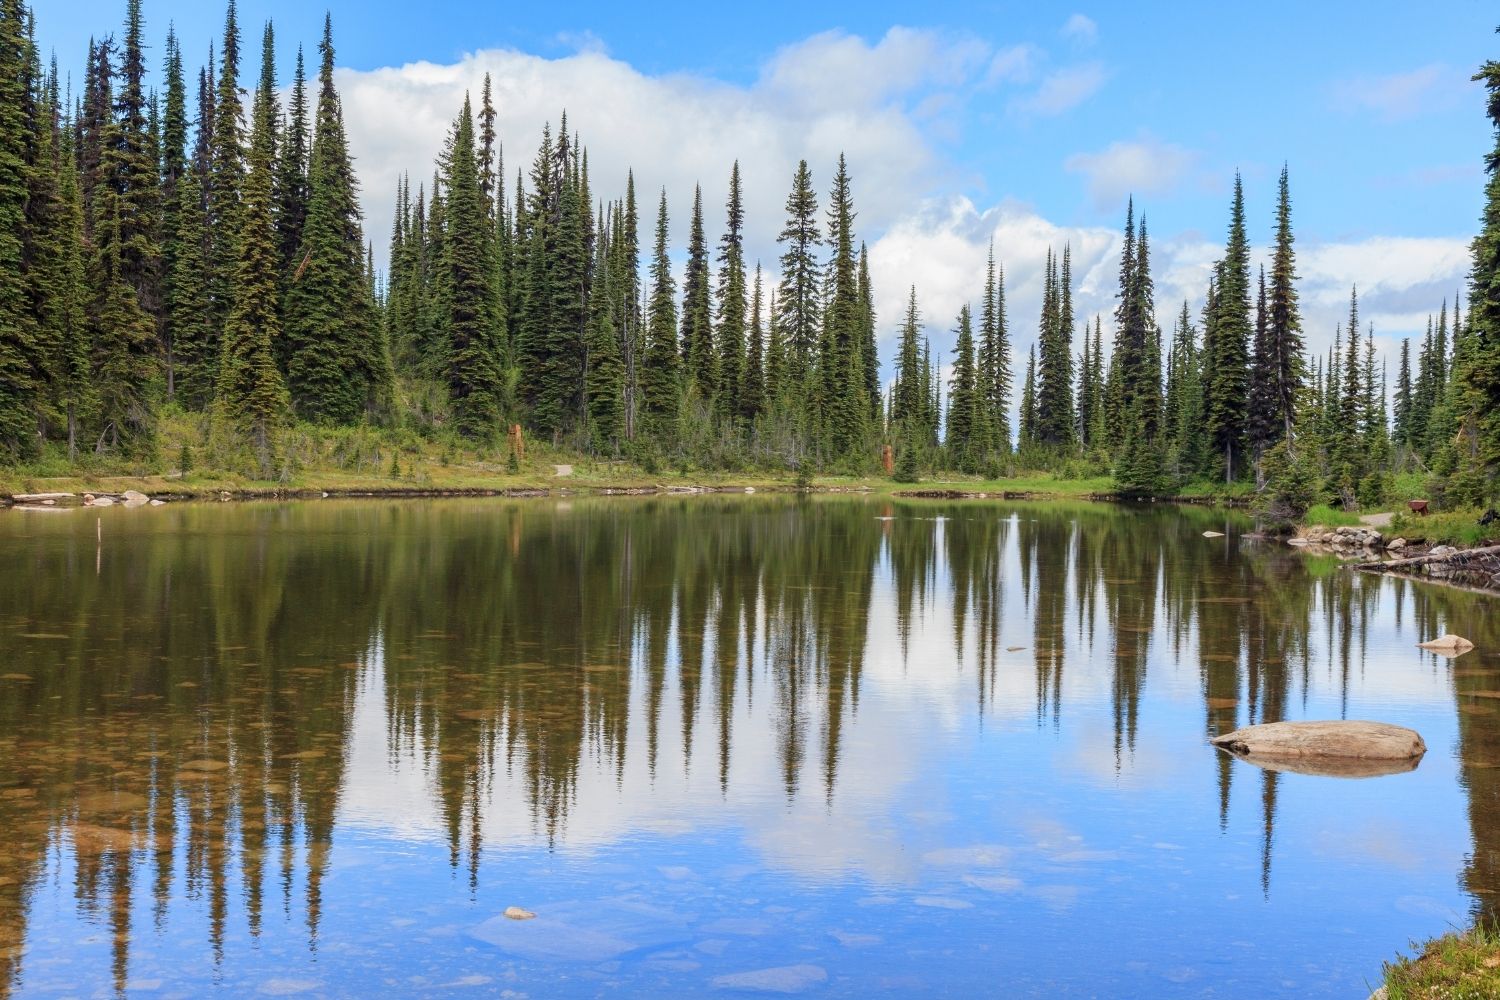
x,y
291,177
1028,403
1264,427
963,397
753,386
702,362
250,396
18,332
226,177
1479,376
192,336
661,390
123,334
1228,365
337,362
1054,389
846,409
473,361
798,296
994,357
1283,318
729,338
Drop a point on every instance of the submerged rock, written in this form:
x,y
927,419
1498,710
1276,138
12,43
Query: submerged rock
x,y
1347,748
783,979
1452,644
518,913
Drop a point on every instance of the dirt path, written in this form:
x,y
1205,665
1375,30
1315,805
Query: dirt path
x,y
1376,520
563,470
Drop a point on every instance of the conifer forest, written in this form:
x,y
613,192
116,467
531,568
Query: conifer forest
x,y
181,243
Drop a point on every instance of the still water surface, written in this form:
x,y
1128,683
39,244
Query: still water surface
x,y
720,746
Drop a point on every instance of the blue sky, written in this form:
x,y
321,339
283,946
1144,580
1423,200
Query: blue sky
x,y
963,122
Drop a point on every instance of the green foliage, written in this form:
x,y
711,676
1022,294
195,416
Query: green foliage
x,y
1290,488
1456,966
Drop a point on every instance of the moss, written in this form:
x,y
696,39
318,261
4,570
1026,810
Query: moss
x,y
1456,966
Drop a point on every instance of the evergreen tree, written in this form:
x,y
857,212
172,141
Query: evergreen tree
x,y
753,387
697,324
337,362
1028,402
1054,389
1478,379
1403,393
661,389
1227,367
908,394
18,332
994,358
798,296
250,395
730,335
846,405
191,332
227,173
963,397
473,357
291,178
1264,425
1283,319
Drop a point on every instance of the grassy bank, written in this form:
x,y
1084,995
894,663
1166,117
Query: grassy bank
x,y
373,460
1456,966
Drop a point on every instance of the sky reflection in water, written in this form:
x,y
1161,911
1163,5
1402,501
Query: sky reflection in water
x,y
719,745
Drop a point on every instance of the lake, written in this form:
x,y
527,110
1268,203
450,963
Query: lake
x,y
718,745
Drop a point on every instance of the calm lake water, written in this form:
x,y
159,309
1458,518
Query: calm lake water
x,y
719,745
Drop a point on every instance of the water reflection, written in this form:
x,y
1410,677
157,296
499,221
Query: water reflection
x,y
191,712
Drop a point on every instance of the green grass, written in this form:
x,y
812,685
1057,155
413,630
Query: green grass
x,y
1456,966
1449,527
359,459
1325,516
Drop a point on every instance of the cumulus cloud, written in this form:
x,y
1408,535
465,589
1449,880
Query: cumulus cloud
x,y
1062,90
1016,63
1143,166
812,100
1396,96
1080,28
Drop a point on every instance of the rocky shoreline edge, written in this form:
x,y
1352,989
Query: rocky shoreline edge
x,y
1369,551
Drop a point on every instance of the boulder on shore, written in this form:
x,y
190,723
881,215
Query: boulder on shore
x,y
1327,747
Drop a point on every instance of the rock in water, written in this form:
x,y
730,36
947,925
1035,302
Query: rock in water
x,y
1213,534
519,913
1447,644
1326,747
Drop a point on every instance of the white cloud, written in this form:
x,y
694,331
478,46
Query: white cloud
x,y
1016,64
1062,90
813,100
1400,95
809,101
1082,29
1144,166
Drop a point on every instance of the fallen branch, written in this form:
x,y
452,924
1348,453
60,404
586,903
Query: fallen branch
x,y
1463,555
